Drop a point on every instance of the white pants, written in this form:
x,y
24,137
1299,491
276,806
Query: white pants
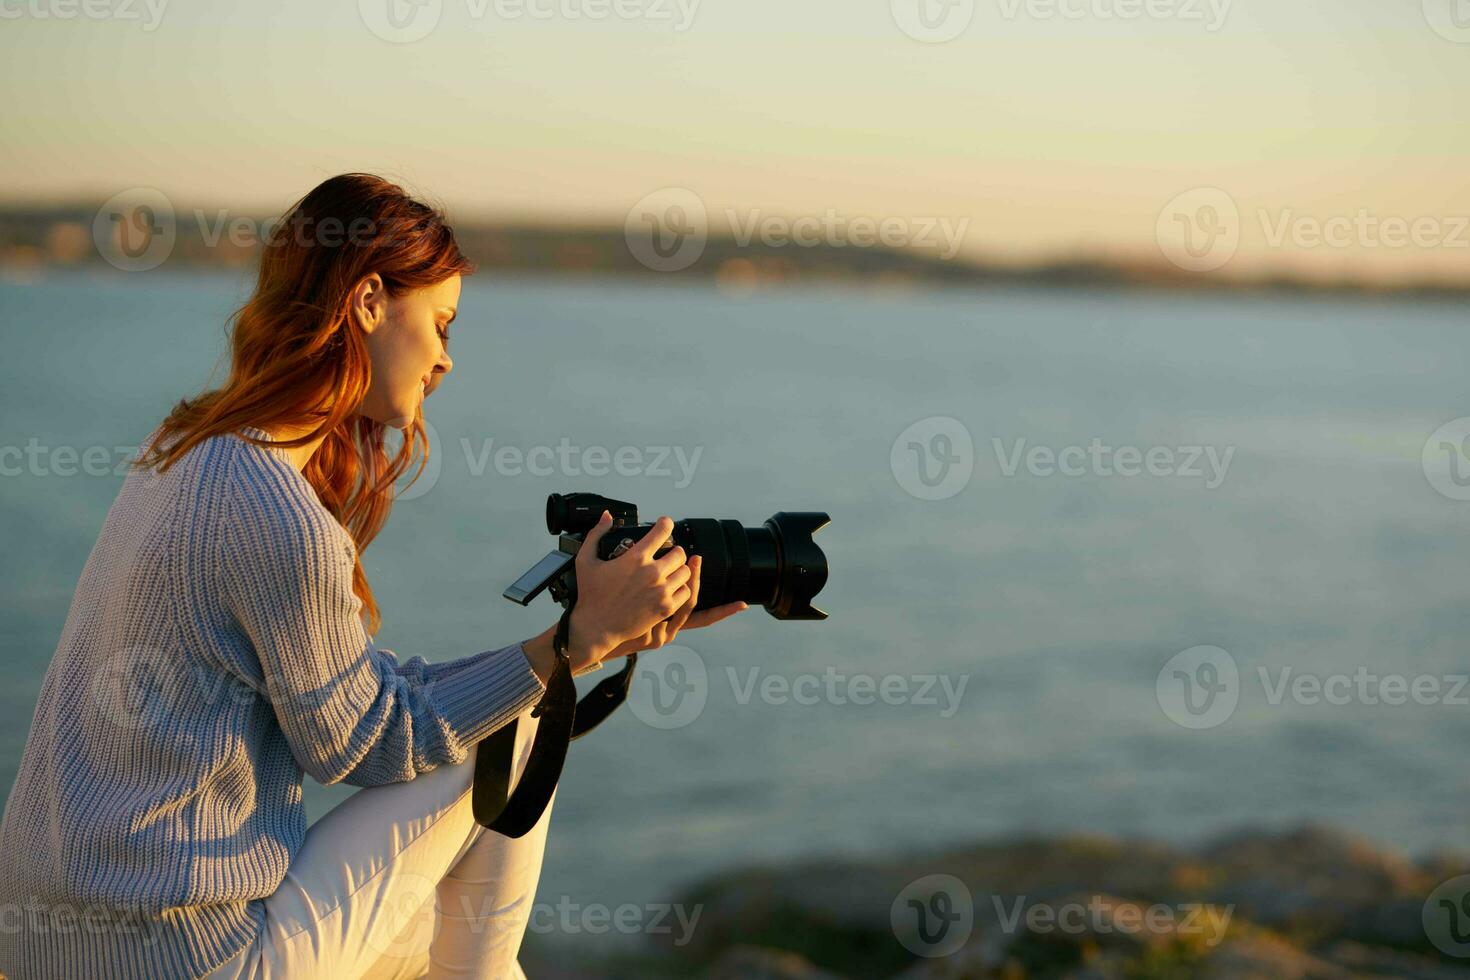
x,y
399,881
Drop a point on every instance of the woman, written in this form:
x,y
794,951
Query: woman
x,y
218,647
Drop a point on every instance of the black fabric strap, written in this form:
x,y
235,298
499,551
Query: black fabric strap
x,y
561,720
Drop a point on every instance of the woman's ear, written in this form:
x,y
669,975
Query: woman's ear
x,y
370,303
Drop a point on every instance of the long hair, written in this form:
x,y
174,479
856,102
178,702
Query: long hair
x,y
297,359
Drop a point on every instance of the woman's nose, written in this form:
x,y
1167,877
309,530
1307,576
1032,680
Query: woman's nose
x,y
445,363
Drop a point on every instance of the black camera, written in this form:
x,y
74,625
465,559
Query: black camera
x,y
776,565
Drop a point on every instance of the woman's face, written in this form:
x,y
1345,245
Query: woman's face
x,y
407,339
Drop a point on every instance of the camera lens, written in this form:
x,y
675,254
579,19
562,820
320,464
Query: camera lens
x,y
776,565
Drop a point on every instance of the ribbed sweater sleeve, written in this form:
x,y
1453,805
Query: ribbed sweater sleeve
x,y
348,712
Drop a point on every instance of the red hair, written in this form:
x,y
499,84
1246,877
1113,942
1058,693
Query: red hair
x,y
298,360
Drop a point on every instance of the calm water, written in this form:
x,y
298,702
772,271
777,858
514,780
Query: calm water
x,y
1057,598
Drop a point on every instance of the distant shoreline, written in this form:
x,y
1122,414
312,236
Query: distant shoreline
x,y
33,240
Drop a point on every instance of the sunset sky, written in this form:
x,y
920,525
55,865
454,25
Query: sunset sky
x,y
1052,133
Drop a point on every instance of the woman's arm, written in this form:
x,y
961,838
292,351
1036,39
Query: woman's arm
x,y
347,712
584,653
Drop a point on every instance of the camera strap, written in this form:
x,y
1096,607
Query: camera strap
x,y
562,719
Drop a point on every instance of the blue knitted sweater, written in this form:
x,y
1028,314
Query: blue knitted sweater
x,y
213,653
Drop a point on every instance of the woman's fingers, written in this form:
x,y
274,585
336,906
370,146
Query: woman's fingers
x,y
654,539
678,577
708,617
682,613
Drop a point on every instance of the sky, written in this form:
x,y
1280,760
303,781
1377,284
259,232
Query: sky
x,y
1047,128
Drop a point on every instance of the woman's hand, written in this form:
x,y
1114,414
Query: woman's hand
x,y
636,601
685,618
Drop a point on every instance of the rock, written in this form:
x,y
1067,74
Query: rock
x,y
1312,881
761,963
1369,961
1312,887
1262,956
836,915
